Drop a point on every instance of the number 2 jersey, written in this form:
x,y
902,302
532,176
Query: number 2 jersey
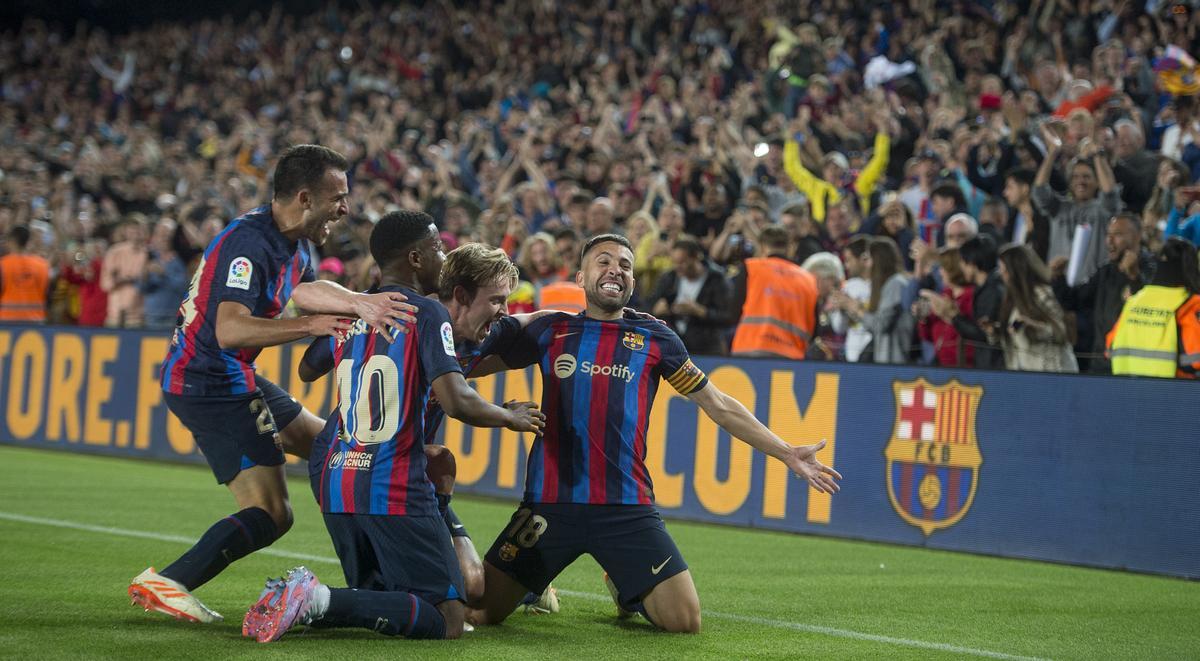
x,y
250,262
370,458
599,379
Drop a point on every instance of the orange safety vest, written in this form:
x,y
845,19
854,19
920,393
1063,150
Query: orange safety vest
x,y
24,285
565,296
780,314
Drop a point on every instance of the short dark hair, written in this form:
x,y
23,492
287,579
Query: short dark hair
x,y
688,244
395,234
303,166
952,191
603,238
20,235
566,233
858,245
1021,176
774,237
979,251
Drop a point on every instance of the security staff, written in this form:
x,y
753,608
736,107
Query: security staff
x,y
1158,333
779,309
24,281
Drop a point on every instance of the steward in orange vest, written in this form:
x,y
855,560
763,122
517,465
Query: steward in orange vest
x,y
779,315
565,296
24,281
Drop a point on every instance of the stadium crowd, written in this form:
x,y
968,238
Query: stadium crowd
x,y
964,183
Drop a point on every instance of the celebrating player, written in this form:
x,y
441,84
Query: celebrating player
x,y
587,489
245,279
369,468
474,286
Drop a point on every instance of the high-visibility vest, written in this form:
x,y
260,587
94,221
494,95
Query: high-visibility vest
x,y
779,316
1145,339
24,285
565,296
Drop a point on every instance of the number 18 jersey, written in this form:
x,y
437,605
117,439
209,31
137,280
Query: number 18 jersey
x,y
371,455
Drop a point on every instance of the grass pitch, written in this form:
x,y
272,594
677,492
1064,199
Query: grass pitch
x,y
75,529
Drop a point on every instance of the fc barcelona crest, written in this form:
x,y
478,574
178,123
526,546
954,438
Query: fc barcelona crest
x,y
633,341
933,456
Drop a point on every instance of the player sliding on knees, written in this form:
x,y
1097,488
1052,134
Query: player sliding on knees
x,y
242,422
587,489
368,466
474,287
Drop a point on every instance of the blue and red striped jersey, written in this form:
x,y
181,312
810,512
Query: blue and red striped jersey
x,y
251,262
371,455
599,379
470,354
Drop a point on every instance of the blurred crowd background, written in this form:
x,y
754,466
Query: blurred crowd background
x,y
968,183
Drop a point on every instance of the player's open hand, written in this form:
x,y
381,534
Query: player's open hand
x,y
525,417
385,312
320,325
803,462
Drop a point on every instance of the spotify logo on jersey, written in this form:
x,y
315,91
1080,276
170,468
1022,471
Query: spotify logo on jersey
x,y
564,365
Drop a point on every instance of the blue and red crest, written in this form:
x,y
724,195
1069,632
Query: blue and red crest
x,y
933,456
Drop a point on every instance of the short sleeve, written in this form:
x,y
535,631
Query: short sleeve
x,y
435,340
319,357
240,273
676,366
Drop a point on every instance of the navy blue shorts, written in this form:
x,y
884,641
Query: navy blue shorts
x,y
630,542
397,554
236,432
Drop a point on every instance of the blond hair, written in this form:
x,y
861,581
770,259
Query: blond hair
x,y
475,265
525,257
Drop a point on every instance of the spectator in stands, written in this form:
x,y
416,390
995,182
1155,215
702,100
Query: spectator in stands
x,y
830,336
566,242
1158,332
981,328
121,275
1093,201
835,180
1025,223
945,200
776,302
83,271
1134,166
166,281
1034,333
1130,266
1189,229
891,325
896,223
540,262
803,234
858,288
24,280
949,347
695,299
332,269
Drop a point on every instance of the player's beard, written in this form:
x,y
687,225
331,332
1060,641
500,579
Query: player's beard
x,y
607,303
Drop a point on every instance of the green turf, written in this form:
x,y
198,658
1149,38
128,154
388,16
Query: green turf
x,y
62,591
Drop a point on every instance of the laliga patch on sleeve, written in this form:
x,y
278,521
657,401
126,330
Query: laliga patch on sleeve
x,y
448,338
240,270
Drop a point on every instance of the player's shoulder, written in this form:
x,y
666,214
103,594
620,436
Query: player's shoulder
x,y
545,321
647,323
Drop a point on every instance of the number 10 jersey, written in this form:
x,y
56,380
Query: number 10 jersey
x,y
370,458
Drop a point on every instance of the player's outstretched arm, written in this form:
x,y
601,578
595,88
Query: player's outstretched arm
x,y
383,311
236,328
317,360
741,424
461,402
